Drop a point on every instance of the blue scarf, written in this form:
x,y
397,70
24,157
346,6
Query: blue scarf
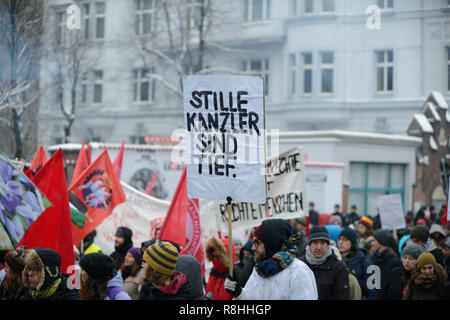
x,y
280,260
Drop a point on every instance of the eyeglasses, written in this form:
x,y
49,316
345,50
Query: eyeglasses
x,y
256,242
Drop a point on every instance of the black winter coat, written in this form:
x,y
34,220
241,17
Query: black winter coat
x,y
395,284
358,263
242,272
331,279
148,292
386,260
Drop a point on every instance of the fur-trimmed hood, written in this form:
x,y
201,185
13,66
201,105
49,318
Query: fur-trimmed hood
x,y
46,260
221,247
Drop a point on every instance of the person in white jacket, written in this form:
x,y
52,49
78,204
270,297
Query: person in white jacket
x,y
278,274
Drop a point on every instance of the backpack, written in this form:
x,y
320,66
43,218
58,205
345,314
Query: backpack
x,y
354,287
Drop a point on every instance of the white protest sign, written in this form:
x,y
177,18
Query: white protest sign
x,y
391,211
140,212
286,196
225,138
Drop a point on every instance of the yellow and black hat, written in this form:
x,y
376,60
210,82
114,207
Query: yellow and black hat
x,y
162,256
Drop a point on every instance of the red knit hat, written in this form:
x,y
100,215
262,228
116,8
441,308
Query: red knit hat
x,y
367,222
259,233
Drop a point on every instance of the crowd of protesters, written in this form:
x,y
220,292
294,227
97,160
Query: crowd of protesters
x,y
344,257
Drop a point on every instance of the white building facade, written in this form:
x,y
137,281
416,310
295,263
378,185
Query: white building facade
x,y
327,64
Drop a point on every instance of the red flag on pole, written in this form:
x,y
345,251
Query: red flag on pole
x,y
150,185
82,164
182,222
118,161
100,191
52,229
39,159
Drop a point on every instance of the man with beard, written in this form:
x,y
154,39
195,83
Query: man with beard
x,y
278,274
123,243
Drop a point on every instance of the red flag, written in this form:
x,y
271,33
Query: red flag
x,y
39,159
82,164
52,229
28,172
444,219
100,191
150,185
307,225
89,153
182,222
118,161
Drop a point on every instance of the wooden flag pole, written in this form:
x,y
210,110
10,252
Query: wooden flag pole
x,y
230,236
395,234
82,247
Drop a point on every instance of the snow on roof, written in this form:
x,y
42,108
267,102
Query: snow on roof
x,y
65,146
433,144
447,116
423,123
433,110
439,99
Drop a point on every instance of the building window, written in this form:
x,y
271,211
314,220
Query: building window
x,y
293,74
98,86
256,10
327,5
448,67
309,8
385,4
368,181
307,72
294,8
326,72
99,20
137,139
385,71
144,86
86,21
145,17
258,67
60,28
84,87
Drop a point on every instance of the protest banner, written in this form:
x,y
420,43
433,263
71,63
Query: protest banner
x,y
224,117
391,212
286,196
225,139
140,212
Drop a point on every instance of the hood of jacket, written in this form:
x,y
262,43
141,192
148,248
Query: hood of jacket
x,y
221,248
276,233
437,228
192,269
46,260
116,280
381,257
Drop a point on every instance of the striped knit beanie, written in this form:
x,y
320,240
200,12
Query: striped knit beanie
x,y
162,256
367,222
